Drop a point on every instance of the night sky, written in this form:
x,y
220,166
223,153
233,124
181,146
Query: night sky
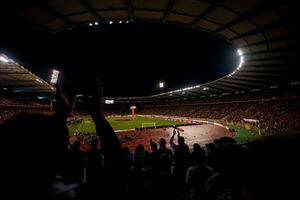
x,y
130,58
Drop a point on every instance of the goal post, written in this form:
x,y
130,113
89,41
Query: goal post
x,y
148,125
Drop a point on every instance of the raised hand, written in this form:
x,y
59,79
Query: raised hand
x,y
94,100
65,98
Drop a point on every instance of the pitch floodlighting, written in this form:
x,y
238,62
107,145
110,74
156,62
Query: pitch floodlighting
x,y
54,76
161,85
242,59
240,52
3,59
38,80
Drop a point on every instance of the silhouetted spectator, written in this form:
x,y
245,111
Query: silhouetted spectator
x,y
197,174
228,181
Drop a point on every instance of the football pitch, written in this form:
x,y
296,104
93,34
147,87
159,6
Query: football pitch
x,y
120,123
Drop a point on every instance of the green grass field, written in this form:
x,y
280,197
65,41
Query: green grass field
x,y
119,123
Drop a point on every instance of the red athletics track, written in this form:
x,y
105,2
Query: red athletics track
x,y
201,134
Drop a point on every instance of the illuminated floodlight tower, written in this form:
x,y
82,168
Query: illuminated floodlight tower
x,y
161,84
133,108
54,76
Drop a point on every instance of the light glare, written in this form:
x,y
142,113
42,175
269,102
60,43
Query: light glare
x,y
3,59
161,84
54,76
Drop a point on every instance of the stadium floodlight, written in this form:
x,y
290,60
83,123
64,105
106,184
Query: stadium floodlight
x,y
54,76
239,52
90,24
96,23
4,59
120,22
110,22
161,85
38,80
109,101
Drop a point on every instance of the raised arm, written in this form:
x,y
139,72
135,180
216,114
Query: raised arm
x,y
172,139
109,141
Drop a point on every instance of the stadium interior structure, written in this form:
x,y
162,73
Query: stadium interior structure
x,y
261,95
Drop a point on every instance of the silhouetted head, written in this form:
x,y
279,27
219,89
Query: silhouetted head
x,y
153,146
230,159
162,143
33,149
180,140
76,145
198,155
196,147
226,140
139,148
94,143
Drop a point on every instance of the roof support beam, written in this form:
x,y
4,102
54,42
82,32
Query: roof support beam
x,y
219,87
169,8
130,10
246,16
232,85
14,80
279,50
211,8
55,14
88,6
37,26
12,73
259,30
246,83
279,39
264,74
251,78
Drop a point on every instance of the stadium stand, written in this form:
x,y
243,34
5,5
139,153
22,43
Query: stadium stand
x,y
39,161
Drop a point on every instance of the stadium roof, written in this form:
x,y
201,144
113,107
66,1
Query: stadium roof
x,y
265,31
15,78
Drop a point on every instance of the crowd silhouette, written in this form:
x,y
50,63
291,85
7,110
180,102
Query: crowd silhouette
x,y
38,162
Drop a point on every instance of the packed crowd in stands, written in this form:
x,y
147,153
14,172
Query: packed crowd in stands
x,y
276,109
44,164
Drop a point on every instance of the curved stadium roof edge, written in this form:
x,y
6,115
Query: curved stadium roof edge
x,y
265,31
16,78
